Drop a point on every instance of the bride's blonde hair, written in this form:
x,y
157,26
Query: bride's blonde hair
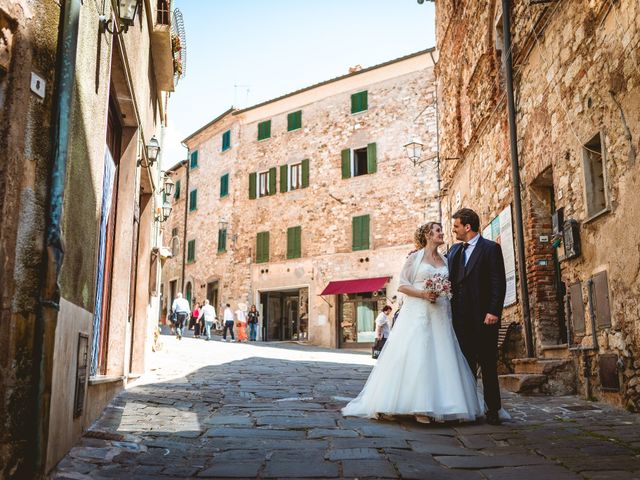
x,y
423,232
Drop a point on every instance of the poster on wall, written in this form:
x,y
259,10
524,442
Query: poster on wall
x,y
500,230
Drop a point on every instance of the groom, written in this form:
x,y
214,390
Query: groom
x,y
476,272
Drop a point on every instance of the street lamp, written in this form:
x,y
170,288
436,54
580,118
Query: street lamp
x,y
414,151
127,10
169,186
164,212
152,152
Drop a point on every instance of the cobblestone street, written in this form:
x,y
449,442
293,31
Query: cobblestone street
x,y
213,409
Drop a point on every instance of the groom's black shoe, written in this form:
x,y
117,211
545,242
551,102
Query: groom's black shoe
x,y
493,418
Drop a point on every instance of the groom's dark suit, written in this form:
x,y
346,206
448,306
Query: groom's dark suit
x,y
479,288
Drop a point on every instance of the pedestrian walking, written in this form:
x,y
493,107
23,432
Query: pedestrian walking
x,y
181,309
241,324
228,323
195,321
208,316
383,323
253,320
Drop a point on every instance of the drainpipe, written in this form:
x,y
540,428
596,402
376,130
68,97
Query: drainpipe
x,y
186,217
438,177
515,175
49,302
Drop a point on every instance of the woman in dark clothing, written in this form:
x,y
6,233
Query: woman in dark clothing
x,y
252,319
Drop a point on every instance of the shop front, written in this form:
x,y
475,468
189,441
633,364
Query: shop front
x,y
358,303
285,315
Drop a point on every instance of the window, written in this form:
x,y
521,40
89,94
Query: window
x,y
193,200
294,120
359,102
194,160
262,184
224,185
360,233
262,247
222,240
226,140
264,130
191,251
594,172
359,161
175,246
294,176
294,249
176,195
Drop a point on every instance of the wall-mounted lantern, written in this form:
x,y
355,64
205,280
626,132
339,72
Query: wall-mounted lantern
x,y
127,10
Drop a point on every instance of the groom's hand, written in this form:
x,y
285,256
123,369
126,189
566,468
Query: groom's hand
x,y
490,319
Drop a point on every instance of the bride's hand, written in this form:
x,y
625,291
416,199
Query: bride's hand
x,y
431,296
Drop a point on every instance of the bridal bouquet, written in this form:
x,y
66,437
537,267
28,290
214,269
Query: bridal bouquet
x,y
438,284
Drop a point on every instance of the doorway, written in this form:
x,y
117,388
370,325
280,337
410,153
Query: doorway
x,y
356,317
212,294
284,315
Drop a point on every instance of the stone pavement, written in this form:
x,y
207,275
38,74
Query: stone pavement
x,y
227,410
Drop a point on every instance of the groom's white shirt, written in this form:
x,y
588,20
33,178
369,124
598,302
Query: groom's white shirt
x,y
472,244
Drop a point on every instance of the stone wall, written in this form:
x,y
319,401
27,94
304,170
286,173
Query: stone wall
x,y
398,197
576,75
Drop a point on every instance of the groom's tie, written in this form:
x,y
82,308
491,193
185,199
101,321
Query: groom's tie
x,y
461,260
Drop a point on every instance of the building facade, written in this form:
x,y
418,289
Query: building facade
x,y
577,93
288,197
82,97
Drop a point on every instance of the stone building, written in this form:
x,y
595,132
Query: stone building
x,y
306,205
577,93
81,98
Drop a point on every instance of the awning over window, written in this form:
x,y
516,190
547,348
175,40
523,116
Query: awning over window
x,y
355,286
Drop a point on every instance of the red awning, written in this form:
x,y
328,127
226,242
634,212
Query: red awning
x,y
355,286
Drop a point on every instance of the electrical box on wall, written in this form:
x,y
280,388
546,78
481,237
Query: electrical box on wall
x,y
571,234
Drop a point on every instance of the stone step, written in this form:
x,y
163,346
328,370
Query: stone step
x,y
555,351
540,365
522,382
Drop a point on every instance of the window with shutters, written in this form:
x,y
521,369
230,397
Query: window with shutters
x,y
294,120
226,140
224,185
175,242
176,194
191,251
222,240
359,161
264,130
194,160
263,184
294,247
360,232
359,102
262,247
595,176
193,200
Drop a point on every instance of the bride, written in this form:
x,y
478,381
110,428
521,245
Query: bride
x,y
421,370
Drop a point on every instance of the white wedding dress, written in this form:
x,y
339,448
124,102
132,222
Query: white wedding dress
x,y
421,369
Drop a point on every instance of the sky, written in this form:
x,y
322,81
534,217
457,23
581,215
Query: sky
x,y
243,52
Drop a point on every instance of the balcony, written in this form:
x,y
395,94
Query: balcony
x,y
162,45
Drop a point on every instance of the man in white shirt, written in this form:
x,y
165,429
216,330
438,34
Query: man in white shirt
x,y
228,323
182,309
209,314
382,323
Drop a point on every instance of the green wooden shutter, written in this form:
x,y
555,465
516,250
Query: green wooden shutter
x,y
222,240
176,195
252,185
284,178
224,185
372,163
194,159
272,180
294,249
360,232
359,102
294,120
193,200
226,140
346,163
262,247
191,251
264,129
364,101
305,173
